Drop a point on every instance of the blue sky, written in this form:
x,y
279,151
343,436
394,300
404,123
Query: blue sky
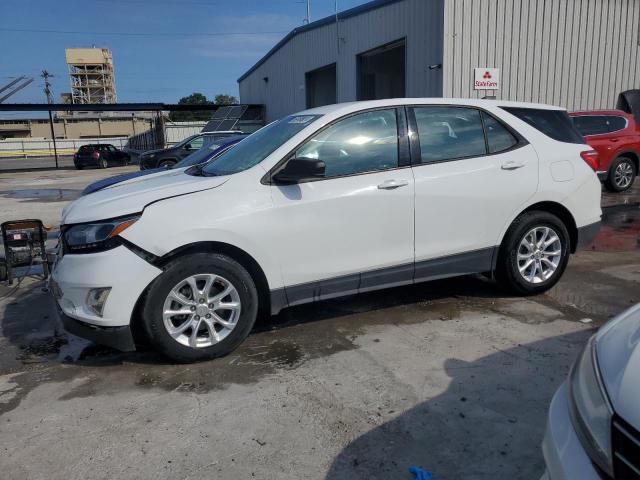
x,y
174,60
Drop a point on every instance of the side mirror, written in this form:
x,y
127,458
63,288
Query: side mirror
x,y
188,146
300,169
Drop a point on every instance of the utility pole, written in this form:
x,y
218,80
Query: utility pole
x,y
308,19
47,86
47,90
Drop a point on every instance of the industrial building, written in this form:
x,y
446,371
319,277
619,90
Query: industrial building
x,y
578,54
91,74
74,127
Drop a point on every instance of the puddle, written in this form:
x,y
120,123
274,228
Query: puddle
x,y
42,194
620,230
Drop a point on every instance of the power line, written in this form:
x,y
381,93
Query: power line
x,y
139,34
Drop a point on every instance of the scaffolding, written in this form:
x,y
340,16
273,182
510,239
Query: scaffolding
x,y
91,74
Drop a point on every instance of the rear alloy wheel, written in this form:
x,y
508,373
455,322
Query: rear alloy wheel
x,y
533,254
622,173
201,307
539,254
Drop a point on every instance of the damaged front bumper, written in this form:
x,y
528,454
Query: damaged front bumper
x,y
75,277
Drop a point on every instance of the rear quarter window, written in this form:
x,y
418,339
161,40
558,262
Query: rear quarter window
x,y
555,124
599,124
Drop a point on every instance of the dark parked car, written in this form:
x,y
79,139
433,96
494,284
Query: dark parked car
x,y
168,157
198,157
100,155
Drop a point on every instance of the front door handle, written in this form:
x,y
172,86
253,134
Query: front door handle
x,y
391,184
511,165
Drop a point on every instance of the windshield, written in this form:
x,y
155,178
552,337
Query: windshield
x,y
199,156
256,147
183,142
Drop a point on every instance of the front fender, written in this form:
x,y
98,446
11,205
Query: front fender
x,y
233,217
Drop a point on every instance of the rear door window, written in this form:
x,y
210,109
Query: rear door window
x,y
599,124
555,124
449,133
499,138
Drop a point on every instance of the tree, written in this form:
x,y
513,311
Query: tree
x,y
195,98
224,99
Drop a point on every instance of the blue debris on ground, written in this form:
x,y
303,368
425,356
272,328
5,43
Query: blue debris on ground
x,y
421,474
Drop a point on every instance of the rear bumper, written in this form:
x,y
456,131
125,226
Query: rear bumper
x,y
119,338
85,162
587,234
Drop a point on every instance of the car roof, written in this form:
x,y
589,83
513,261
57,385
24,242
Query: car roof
x,y
218,132
582,113
345,108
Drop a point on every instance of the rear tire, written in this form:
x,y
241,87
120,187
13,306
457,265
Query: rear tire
x,y
622,174
78,167
182,344
525,265
102,163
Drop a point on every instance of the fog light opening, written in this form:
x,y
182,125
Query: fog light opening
x,y
96,298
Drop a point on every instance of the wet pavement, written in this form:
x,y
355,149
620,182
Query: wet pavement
x,y
453,375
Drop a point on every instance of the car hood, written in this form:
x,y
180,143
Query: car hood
x,y
149,152
134,195
107,182
618,350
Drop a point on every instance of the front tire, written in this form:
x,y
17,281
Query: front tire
x,y
622,174
202,306
533,254
102,163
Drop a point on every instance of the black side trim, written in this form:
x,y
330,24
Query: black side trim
x,y
119,338
477,261
587,234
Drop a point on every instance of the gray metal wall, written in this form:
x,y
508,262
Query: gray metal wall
x,y
578,54
419,21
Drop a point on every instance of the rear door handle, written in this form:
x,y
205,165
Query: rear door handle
x,y
512,165
391,184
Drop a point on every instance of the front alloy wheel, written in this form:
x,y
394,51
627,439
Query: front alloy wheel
x,y
202,306
201,310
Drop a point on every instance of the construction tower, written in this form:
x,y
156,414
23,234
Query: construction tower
x,y
91,73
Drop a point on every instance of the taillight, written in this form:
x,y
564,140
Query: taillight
x,y
591,157
95,155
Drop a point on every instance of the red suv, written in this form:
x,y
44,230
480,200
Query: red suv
x,y
615,135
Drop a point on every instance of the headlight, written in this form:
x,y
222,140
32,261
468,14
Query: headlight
x,y
590,409
93,237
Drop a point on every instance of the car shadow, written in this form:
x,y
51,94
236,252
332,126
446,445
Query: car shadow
x,y
29,321
488,424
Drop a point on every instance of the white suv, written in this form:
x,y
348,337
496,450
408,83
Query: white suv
x,y
328,202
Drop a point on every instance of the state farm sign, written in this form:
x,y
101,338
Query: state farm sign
x,y
486,79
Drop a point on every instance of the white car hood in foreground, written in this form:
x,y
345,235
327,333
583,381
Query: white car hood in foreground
x,y
132,197
618,350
